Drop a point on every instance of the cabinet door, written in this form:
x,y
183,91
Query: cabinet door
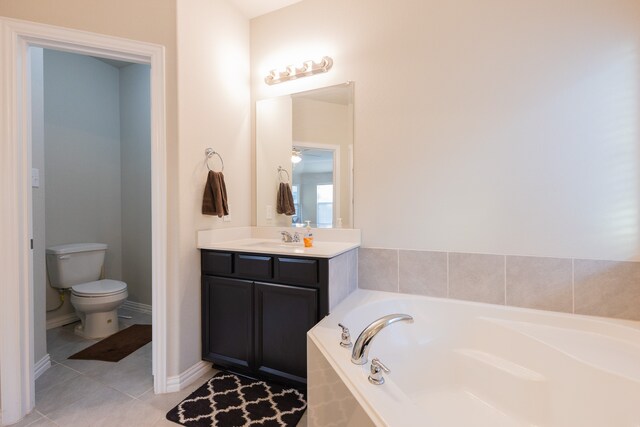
x,y
284,314
227,321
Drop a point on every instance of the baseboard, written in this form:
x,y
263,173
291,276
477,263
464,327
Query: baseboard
x,y
179,382
62,320
41,366
136,306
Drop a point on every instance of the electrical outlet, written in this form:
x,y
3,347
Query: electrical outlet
x,y
269,212
226,218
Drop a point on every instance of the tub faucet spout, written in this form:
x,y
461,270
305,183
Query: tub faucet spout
x,y
361,347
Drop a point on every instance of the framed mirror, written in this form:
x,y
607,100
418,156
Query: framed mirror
x,y
305,140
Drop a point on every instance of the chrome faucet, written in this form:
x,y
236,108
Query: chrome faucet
x,y
361,346
375,377
345,338
288,238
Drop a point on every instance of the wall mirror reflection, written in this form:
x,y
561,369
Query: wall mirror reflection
x,y
305,140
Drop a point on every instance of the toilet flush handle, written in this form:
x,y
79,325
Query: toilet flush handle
x,y
64,257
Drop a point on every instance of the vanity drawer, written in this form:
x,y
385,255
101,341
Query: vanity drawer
x,y
254,266
217,262
297,270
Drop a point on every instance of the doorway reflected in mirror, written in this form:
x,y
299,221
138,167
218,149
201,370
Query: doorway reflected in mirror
x,y
316,186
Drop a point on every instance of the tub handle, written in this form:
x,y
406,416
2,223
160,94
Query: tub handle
x,y
375,377
345,339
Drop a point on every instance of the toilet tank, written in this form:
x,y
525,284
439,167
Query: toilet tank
x,y
68,265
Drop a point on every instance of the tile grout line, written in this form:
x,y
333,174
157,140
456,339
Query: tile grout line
x,y
505,280
448,275
44,416
573,285
69,367
398,282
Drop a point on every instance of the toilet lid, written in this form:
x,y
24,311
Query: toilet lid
x,y
101,288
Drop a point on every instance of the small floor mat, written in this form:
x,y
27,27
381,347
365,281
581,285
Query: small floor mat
x,y
117,346
228,400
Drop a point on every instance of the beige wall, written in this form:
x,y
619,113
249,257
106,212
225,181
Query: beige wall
x,y
213,70
273,149
489,127
213,110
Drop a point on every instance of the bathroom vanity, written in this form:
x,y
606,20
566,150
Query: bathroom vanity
x,y
260,297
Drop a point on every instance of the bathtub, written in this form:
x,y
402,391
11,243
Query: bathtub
x,y
471,364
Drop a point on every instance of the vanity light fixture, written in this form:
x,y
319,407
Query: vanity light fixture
x,y
307,68
296,156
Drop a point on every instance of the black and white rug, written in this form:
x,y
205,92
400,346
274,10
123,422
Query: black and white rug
x,y
228,400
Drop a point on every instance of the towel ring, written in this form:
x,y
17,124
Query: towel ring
x,y
280,170
209,152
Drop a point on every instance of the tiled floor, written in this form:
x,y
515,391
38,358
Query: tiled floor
x,y
87,393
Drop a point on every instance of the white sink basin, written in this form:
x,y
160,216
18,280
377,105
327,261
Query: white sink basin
x,y
271,244
277,246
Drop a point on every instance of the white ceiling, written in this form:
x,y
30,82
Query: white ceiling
x,y
253,8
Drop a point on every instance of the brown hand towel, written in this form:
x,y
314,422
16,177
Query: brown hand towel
x,y
284,201
214,200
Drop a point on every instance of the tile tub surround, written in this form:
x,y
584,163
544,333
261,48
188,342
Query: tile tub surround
x,y
476,277
580,286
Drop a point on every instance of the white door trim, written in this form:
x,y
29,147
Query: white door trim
x,y
17,396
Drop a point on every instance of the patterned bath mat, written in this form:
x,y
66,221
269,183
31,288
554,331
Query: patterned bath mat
x,y
228,400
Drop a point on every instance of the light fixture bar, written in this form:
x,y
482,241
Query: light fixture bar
x,y
292,72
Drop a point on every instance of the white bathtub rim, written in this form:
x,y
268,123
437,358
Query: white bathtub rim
x,y
362,390
392,415
382,295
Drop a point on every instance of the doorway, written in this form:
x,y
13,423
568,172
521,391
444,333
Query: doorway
x,y
17,395
91,180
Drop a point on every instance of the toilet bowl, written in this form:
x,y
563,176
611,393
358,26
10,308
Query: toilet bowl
x,y
78,267
96,304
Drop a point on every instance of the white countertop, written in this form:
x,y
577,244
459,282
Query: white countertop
x,y
261,240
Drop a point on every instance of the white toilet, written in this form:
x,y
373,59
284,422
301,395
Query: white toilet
x,y
78,267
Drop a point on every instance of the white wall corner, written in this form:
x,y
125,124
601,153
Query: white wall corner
x,y
179,382
62,320
137,307
41,367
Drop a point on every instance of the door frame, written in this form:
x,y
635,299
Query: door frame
x,y
335,148
17,391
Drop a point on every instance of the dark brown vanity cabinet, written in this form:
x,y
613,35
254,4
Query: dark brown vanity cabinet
x,y
282,316
257,309
227,327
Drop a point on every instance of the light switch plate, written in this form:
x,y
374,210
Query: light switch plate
x,y
35,178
